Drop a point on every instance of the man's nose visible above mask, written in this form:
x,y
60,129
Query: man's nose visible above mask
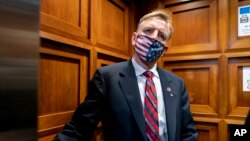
x,y
154,35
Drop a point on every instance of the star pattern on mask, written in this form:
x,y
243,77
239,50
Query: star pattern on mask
x,y
154,52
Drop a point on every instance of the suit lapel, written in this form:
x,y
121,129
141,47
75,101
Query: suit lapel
x,y
129,86
169,102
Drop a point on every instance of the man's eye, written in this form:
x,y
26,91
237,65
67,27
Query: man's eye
x,y
148,30
162,37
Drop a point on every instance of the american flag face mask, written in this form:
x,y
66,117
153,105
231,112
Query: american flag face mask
x,y
148,49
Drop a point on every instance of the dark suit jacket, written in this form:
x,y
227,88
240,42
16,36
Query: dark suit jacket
x,y
113,97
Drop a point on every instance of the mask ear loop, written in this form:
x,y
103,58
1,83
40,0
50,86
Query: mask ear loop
x,y
165,48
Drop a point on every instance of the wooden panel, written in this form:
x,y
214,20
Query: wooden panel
x,y
239,100
202,92
197,88
104,60
207,132
195,26
235,41
102,63
60,76
112,25
63,85
67,18
200,22
65,10
203,135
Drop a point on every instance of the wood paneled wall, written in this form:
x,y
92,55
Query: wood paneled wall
x,y
207,53
78,36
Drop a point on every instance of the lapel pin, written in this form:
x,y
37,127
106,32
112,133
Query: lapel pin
x,y
168,89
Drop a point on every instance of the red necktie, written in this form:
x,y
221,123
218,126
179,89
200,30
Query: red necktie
x,y
151,108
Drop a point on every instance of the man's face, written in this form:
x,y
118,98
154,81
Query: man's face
x,y
154,28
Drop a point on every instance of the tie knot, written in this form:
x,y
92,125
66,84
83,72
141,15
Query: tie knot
x,y
148,74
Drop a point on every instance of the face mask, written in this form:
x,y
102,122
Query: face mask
x,y
148,49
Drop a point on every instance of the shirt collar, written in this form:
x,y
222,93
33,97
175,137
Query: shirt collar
x,y
139,70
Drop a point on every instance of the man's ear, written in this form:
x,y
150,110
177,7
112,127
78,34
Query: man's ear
x,y
133,40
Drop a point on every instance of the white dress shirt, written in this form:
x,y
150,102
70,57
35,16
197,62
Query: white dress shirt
x,y
141,80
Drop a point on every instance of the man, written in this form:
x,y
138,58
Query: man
x,y
136,100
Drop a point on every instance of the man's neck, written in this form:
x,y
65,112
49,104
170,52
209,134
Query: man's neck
x,y
145,65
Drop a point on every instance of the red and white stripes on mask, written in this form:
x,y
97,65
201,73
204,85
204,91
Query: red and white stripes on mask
x,y
148,49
